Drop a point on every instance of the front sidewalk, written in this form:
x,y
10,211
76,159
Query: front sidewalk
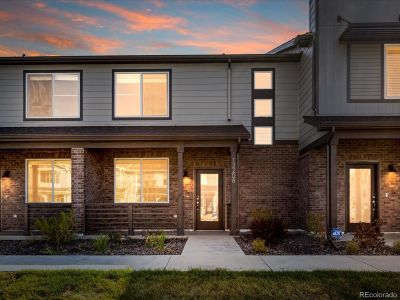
x,y
204,251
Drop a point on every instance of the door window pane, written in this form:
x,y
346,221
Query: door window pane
x,y
262,108
127,95
263,80
39,95
155,94
360,181
209,197
392,71
263,135
141,180
49,181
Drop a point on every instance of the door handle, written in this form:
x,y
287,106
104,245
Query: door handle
x,y
373,202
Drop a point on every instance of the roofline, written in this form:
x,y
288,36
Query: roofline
x,y
299,40
140,59
353,122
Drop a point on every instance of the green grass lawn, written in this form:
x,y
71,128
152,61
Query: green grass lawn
x,y
193,284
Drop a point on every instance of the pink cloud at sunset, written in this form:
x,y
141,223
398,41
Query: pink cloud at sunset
x,y
84,27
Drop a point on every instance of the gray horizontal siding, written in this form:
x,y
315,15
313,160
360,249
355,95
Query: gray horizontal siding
x,y
365,72
199,95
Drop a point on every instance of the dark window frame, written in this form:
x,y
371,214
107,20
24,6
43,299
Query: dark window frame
x,y
26,72
262,94
169,71
382,98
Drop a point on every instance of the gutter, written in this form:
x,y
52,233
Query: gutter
x,y
328,181
229,89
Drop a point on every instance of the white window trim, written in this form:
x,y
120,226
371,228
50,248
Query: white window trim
x,y
272,135
141,179
52,180
141,116
385,74
52,95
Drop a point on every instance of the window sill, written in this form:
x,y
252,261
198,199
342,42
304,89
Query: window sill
x,y
48,203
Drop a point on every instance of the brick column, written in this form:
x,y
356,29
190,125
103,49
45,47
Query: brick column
x,y
78,188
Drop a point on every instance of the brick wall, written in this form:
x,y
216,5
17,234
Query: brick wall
x,y
312,184
78,188
383,152
268,177
13,208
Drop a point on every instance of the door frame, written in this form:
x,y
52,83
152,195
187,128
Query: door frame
x,y
221,191
375,187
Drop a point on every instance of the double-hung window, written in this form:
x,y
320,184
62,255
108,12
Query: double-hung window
x,y
142,94
48,181
52,95
392,71
141,180
263,106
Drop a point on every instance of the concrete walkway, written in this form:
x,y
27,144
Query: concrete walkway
x,y
204,251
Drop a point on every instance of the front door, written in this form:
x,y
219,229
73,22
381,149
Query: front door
x,y
209,191
362,201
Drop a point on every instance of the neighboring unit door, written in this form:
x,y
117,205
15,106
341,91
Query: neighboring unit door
x,y
209,191
362,201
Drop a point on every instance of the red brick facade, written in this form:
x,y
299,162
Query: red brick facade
x,y
269,176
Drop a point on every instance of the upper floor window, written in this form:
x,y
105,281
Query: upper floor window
x,y
52,95
263,94
142,94
48,181
392,71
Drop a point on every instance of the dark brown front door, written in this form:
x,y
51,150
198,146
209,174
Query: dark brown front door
x,y
362,200
209,191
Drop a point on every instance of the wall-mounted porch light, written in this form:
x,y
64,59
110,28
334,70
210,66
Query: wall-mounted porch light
x,y
186,178
6,174
392,168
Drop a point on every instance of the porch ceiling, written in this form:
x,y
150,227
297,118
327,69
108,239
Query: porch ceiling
x,y
123,133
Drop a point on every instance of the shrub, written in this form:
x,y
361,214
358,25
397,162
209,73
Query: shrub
x,y
396,247
315,224
101,243
115,236
352,247
266,226
369,235
156,240
259,246
58,230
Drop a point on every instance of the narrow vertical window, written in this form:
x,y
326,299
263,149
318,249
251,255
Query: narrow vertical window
x,y
392,71
263,95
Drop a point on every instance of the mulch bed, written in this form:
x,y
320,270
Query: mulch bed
x,y
302,243
85,247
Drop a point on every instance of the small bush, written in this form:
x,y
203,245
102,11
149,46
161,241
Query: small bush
x,y
352,247
266,226
115,236
369,235
396,247
156,240
101,243
58,230
259,246
315,223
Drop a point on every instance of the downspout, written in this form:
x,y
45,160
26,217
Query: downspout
x,y
328,181
229,91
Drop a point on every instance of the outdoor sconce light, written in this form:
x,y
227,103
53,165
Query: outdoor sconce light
x,y
392,168
185,174
6,174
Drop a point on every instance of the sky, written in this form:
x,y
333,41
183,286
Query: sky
x,y
104,27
